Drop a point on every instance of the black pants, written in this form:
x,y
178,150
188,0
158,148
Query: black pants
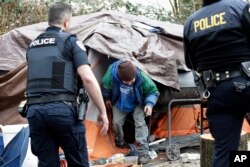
x,y
53,125
226,110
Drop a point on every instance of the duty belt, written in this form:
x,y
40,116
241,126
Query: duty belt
x,y
210,77
51,98
220,76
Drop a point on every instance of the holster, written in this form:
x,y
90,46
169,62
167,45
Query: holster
x,y
245,66
209,79
198,82
82,104
200,85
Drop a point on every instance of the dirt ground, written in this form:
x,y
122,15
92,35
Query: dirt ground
x,y
162,160
189,156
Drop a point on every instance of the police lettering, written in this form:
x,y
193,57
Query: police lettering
x,y
45,41
209,22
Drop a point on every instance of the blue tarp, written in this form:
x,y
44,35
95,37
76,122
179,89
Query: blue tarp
x,y
14,153
1,143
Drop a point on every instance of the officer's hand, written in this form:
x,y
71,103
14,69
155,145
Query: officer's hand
x,y
104,122
108,104
148,110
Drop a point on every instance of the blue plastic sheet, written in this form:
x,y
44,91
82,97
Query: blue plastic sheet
x,y
1,143
14,153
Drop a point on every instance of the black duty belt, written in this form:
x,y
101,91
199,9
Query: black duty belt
x,y
220,76
211,77
51,98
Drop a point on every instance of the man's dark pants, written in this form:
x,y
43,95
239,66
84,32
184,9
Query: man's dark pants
x,y
53,125
226,110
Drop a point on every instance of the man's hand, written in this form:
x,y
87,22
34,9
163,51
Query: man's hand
x,y
108,104
103,121
148,110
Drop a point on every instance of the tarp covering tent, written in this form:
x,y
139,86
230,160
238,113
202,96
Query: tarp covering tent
x,y
153,46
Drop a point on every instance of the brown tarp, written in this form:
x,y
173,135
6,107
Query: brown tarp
x,y
116,35
153,46
12,87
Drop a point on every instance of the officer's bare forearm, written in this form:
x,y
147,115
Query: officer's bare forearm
x,y
94,91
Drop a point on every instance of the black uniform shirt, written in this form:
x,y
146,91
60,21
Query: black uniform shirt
x,y
217,36
73,48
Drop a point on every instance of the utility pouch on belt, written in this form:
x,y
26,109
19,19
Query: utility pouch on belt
x,y
246,68
199,82
209,79
82,104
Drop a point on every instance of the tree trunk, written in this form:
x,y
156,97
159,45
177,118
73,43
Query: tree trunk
x,y
206,149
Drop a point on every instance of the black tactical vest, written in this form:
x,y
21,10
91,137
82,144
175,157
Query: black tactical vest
x,y
49,69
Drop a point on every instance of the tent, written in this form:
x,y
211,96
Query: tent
x,y
153,46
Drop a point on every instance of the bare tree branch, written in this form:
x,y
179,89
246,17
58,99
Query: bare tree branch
x,y
172,6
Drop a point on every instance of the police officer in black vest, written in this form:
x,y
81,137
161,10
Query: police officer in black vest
x,y
54,59
217,44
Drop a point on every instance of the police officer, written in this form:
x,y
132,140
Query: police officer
x,y
54,59
216,44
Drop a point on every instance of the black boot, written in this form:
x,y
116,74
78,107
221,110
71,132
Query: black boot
x,y
121,144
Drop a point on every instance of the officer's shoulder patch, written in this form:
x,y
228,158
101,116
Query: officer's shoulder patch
x,y
79,43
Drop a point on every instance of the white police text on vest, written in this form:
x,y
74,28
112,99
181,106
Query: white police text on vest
x,y
44,41
209,22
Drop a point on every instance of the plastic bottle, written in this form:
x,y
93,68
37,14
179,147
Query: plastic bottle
x,y
116,158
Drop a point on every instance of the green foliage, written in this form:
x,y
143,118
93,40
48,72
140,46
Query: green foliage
x,y
17,13
187,7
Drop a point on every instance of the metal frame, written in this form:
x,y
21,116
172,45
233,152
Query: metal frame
x,y
180,101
